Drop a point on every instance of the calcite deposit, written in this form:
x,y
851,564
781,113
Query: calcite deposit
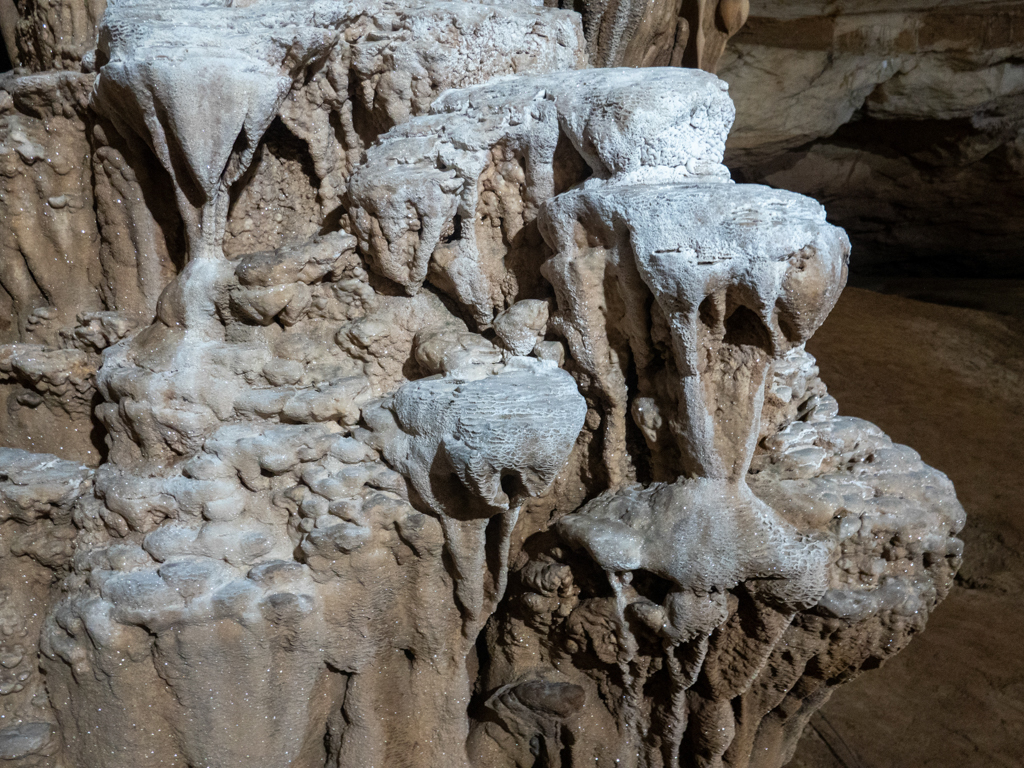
x,y
404,384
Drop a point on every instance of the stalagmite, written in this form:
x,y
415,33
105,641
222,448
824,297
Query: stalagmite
x,y
386,387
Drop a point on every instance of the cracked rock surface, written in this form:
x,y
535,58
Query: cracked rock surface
x,y
385,386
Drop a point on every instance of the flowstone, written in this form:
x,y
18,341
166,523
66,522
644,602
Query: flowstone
x,y
385,387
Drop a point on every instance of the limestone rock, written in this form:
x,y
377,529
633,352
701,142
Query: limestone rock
x,y
906,123
57,35
23,740
511,139
439,401
504,437
39,497
47,205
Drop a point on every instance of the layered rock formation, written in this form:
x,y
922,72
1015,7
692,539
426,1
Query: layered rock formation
x,y
436,401
658,33
907,122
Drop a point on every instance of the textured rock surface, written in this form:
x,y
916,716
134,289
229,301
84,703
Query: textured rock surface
x,y
436,401
659,33
905,121
896,361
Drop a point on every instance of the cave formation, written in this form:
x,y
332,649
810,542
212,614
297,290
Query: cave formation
x,y
409,384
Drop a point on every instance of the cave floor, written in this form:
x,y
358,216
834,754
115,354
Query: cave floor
x,y
949,382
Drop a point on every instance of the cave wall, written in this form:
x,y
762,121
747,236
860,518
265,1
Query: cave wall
x,y
906,120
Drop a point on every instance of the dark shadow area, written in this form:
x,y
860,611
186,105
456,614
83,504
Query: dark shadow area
x,y
948,381
929,199
1000,297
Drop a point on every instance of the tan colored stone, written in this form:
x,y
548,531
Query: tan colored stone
x,y
454,404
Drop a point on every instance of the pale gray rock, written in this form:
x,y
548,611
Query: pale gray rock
x,y
439,401
413,216
623,33
684,533
37,486
760,277
23,740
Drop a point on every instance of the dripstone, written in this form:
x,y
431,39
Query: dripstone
x,y
387,387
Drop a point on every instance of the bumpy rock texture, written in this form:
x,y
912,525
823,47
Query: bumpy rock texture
x,y
905,119
658,33
383,387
